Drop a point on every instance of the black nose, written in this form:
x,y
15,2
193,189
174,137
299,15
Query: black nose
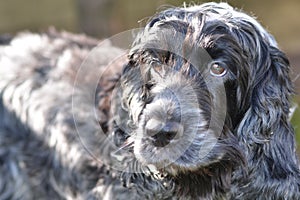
x,y
162,134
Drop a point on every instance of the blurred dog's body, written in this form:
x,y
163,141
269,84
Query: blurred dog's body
x,y
43,157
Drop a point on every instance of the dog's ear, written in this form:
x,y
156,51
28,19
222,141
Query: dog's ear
x,y
269,101
126,100
265,126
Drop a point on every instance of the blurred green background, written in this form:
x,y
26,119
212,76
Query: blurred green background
x,y
104,18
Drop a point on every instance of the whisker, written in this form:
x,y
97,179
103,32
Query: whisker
x,y
127,144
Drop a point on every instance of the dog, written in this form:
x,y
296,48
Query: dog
x,y
199,109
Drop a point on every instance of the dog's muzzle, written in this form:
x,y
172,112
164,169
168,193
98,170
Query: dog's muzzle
x,y
162,133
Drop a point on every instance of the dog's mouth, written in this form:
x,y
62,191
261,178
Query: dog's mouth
x,y
183,152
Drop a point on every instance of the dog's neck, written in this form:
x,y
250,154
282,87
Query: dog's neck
x,y
212,182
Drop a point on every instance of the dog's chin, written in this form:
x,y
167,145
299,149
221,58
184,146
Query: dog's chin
x,y
179,156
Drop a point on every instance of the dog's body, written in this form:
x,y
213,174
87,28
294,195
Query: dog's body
x,y
200,112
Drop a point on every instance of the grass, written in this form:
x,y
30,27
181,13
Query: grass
x,y
295,121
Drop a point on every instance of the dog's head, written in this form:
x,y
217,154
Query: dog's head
x,y
204,86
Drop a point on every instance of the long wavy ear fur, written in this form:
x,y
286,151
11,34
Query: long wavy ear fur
x,y
269,103
265,128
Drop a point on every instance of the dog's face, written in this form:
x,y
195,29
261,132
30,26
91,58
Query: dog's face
x,y
183,100
188,85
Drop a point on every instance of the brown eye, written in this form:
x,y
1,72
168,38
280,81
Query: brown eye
x,y
217,69
155,64
157,67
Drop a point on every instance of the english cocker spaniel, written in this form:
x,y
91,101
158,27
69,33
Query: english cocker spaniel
x,y
200,110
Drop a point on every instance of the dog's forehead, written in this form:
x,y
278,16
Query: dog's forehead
x,y
222,12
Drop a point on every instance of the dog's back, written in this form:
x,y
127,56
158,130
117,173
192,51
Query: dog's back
x,y
41,156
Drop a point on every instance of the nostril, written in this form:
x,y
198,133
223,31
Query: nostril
x,y
169,131
170,135
163,134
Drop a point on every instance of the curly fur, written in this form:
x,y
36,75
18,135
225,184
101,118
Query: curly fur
x,y
243,149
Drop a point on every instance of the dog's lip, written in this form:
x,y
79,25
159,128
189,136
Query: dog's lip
x,y
174,168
